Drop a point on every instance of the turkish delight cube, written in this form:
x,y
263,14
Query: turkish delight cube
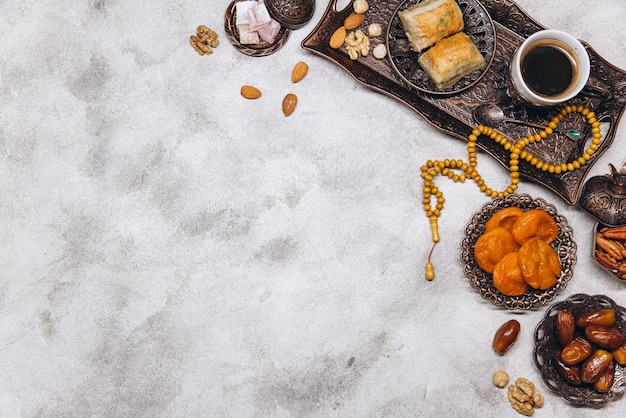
x,y
247,36
241,11
258,17
268,32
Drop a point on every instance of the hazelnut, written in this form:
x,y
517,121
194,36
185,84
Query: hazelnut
x,y
500,378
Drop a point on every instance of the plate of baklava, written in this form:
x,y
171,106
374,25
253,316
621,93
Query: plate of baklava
x,y
441,47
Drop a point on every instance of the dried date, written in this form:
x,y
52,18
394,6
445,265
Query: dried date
x,y
592,347
576,351
565,327
595,365
571,373
609,338
605,381
604,317
619,355
506,336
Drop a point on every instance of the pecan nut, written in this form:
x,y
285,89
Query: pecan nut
x,y
606,260
618,233
612,248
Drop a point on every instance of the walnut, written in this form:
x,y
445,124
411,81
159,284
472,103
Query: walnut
x,y
529,389
204,40
520,401
524,397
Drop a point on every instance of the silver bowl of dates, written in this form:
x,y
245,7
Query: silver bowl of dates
x,y
580,349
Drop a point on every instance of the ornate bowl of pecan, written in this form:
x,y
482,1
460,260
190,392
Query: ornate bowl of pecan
x,y
609,249
580,349
604,197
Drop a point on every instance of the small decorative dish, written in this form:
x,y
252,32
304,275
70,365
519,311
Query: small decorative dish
x,y
604,197
547,346
609,249
563,244
477,25
261,49
292,14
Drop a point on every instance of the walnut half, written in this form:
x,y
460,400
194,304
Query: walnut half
x,y
204,40
524,397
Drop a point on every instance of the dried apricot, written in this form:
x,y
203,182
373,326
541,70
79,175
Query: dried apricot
x,y
491,246
507,276
504,217
535,223
539,263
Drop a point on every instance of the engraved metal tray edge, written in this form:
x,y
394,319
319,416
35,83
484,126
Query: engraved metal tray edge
x,y
439,112
372,80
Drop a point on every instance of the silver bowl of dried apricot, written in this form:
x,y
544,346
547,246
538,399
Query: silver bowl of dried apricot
x,y
580,349
518,252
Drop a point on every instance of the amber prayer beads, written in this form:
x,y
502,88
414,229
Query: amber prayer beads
x,y
460,171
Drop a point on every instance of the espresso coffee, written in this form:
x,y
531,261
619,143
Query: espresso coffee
x,y
549,68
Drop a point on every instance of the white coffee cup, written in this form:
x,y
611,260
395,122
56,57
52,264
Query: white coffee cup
x,y
549,68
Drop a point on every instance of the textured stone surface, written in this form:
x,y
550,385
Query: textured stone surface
x,y
172,249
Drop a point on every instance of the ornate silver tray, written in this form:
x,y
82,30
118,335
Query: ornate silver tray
x,y
458,113
564,245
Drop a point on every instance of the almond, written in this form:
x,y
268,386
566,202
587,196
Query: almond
x,y
299,71
250,92
353,21
338,38
289,104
